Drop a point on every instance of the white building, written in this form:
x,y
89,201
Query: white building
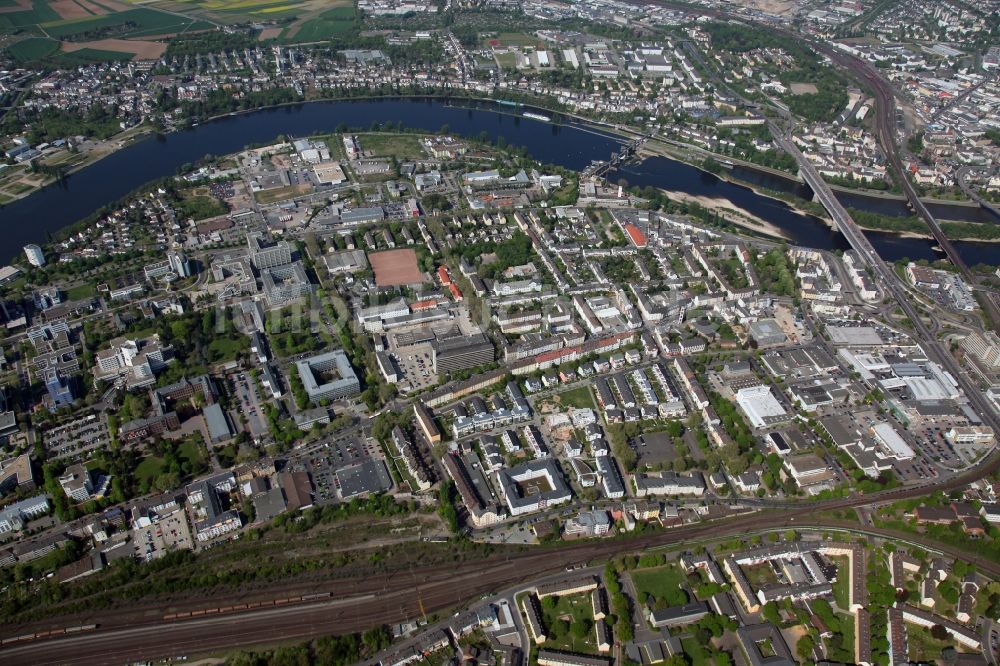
x,y
35,255
759,405
891,443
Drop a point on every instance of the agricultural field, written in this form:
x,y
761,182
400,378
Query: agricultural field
x,y
74,32
330,23
67,33
72,54
33,49
134,48
295,14
141,22
27,15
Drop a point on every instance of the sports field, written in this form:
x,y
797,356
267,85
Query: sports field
x,y
508,39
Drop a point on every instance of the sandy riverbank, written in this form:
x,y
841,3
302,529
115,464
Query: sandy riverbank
x,y
731,213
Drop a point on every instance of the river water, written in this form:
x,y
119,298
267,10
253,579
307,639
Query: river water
x,y
30,220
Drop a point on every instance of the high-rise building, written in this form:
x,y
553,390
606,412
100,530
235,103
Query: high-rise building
x,y
35,255
179,264
60,389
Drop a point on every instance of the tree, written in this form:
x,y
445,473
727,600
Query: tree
x,y
581,628
446,506
167,481
805,647
771,614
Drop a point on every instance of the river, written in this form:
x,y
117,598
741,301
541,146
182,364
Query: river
x,y
30,220
800,228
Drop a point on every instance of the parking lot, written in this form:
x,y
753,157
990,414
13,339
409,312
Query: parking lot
x,y
416,367
77,437
325,461
931,440
250,404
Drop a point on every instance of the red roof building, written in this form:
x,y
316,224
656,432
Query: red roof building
x,y
635,234
423,305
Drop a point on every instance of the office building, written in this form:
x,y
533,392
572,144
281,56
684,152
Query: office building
x,y
985,347
266,252
17,473
461,353
328,376
14,516
77,483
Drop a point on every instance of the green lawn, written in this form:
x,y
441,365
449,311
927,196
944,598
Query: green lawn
x,y
922,644
191,452
281,193
559,622
581,398
400,146
226,349
80,292
506,60
841,594
149,468
660,582
846,636
760,575
152,466
329,24
19,188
